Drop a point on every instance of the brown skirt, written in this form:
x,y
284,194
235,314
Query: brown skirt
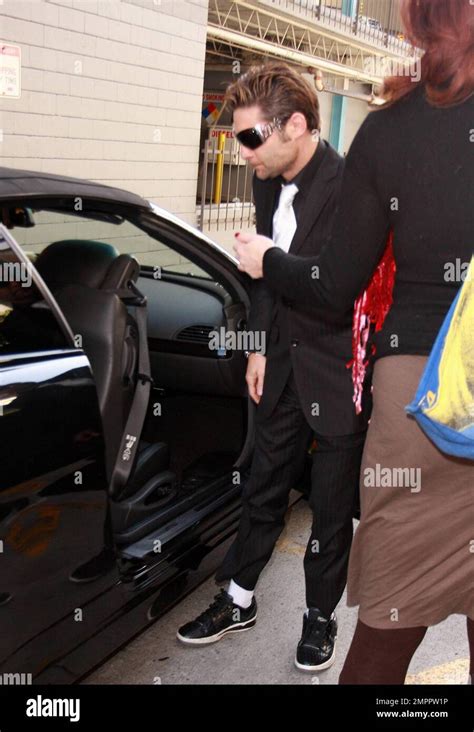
x,y
412,560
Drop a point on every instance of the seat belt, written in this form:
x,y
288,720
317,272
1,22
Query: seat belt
x,y
136,417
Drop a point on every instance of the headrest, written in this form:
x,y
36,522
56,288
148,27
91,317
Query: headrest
x,y
123,270
94,264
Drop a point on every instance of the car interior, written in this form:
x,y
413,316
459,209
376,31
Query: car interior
x,y
196,423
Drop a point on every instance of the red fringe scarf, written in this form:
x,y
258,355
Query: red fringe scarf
x,y
370,309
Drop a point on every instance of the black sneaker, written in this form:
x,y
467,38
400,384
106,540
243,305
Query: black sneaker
x,y
221,617
317,648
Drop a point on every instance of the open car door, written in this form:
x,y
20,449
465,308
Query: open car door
x,y
53,487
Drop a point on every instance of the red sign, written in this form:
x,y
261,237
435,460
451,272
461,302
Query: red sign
x,y
215,132
213,97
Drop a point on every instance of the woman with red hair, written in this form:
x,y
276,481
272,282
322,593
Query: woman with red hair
x,y
409,176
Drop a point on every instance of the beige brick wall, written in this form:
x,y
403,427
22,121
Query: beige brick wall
x,y
111,91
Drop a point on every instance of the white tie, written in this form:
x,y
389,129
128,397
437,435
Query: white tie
x,y
284,219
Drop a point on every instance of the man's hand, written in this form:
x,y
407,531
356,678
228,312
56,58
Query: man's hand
x,y
250,249
256,375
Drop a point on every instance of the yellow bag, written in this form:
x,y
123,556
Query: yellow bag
x,y
444,402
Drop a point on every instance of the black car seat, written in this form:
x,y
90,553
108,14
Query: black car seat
x,y
82,276
85,277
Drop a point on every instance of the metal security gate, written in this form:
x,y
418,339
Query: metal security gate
x,y
225,184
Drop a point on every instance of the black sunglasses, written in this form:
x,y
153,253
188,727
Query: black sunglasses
x,y
254,137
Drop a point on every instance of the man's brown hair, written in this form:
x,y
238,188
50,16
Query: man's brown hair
x,y
278,90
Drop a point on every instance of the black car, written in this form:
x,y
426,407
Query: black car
x,y
123,452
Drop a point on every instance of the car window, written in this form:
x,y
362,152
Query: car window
x,y
27,323
51,226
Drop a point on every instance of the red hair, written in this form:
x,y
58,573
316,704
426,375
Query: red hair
x,y
444,30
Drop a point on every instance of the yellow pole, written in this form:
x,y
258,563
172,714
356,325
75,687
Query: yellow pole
x,y
219,168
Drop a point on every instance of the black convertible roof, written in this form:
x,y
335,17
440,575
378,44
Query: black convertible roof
x,y
16,184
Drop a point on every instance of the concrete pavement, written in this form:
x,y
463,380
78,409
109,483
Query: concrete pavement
x,y
264,655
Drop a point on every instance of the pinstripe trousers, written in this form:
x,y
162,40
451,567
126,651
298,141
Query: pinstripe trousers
x,y
281,443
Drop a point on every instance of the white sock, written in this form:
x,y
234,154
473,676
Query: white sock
x,y
241,597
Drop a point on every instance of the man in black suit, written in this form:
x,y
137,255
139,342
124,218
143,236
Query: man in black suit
x,y
301,384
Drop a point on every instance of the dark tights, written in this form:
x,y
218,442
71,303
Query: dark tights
x,y
382,656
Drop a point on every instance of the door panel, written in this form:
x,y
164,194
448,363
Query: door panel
x,y
52,495
52,481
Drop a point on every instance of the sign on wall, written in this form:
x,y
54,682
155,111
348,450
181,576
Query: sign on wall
x,y
212,102
10,70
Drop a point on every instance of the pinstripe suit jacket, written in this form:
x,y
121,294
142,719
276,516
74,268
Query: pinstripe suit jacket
x,y
298,336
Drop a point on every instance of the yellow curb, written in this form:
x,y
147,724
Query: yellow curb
x,y
286,546
453,672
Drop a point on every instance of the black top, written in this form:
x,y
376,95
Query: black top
x,y
410,169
